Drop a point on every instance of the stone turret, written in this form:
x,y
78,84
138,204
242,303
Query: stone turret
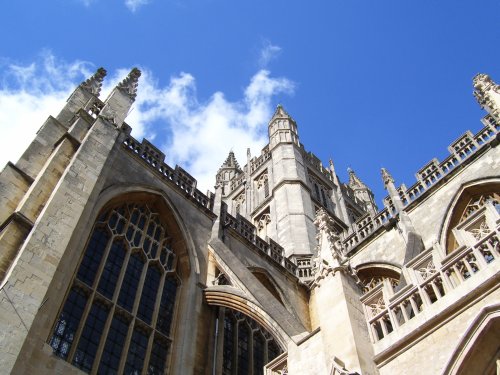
x,y
487,93
282,128
119,102
362,192
84,97
229,169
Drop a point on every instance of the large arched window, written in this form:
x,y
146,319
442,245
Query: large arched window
x,y
247,345
118,314
474,216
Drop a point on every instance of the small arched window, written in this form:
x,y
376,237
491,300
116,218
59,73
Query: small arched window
x,y
118,314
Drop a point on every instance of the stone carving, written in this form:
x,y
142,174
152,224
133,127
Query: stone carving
x,y
94,83
130,83
262,180
386,177
329,252
486,93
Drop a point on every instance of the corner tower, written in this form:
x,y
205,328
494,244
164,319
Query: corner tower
x,y
294,212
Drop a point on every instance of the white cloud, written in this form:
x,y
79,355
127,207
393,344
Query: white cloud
x,y
133,5
196,135
268,53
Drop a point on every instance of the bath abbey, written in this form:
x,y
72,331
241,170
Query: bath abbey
x,y
114,262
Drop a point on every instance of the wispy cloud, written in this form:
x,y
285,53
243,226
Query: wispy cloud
x,y
268,53
194,134
133,5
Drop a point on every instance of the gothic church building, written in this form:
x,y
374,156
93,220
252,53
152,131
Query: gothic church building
x,y
113,262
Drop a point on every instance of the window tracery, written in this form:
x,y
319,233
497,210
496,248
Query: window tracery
x,y
122,297
247,345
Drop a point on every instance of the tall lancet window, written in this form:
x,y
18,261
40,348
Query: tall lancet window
x,y
118,314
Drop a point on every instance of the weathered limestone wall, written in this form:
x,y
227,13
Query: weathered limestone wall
x,y
122,175
293,295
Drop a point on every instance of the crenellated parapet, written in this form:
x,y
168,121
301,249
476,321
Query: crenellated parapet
x,y
267,248
178,177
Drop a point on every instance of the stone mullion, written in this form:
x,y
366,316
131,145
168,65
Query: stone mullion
x,y
148,352
158,300
140,285
104,259
235,347
250,350
126,344
100,348
78,332
119,282
219,344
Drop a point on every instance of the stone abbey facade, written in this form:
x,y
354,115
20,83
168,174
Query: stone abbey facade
x,y
112,261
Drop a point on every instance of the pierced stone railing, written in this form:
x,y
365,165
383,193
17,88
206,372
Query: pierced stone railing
x,y
315,164
428,176
304,269
386,313
460,151
257,162
182,180
268,248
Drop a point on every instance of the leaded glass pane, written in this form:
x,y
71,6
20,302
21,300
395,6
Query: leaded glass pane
x,y
149,292
91,335
112,269
273,351
67,324
131,281
228,351
243,349
158,357
258,354
136,352
167,304
111,354
93,255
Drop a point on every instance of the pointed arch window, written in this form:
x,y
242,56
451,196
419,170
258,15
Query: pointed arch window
x,y
247,345
118,314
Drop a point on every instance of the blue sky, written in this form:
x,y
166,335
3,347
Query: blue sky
x,y
370,83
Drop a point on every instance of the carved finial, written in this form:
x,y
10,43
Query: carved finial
x,y
230,161
94,83
329,249
129,84
354,180
386,177
281,113
331,162
487,93
249,155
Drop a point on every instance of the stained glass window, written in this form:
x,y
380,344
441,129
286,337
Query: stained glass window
x,y
121,280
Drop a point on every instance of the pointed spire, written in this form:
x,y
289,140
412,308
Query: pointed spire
x,y
386,177
354,180
281,113
94,83
130,83
231,161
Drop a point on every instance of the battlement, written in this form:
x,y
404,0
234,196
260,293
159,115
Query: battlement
x,y
268,248
178,177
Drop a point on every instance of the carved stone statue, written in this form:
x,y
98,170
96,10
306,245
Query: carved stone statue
x,y
329,252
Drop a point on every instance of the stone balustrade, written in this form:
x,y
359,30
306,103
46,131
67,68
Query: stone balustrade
x,y
387,312
428,176
268,248
154,158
